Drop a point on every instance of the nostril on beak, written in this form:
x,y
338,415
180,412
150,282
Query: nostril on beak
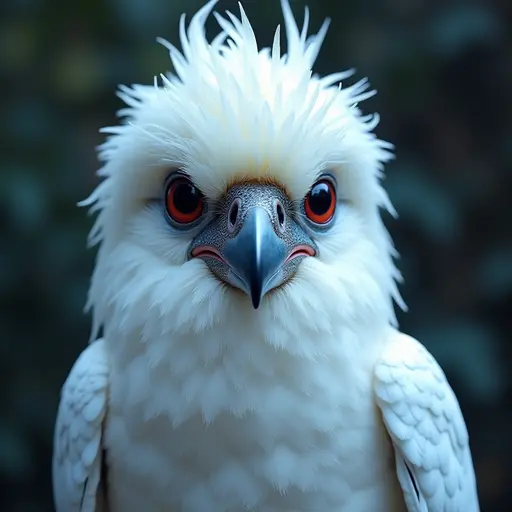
x,y
280,215
233,215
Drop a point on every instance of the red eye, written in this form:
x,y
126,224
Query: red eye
x,y
183,201
320,203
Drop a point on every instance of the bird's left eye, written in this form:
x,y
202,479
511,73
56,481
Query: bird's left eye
x,y
184,202
320,203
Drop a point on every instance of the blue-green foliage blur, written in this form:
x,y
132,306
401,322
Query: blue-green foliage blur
x,y
443,70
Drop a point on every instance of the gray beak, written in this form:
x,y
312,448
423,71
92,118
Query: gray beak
x,y
256,254
254,243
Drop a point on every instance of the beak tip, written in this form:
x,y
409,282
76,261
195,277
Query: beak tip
x,y
256,300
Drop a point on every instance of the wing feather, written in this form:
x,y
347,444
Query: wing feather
x,y
77,451
425,423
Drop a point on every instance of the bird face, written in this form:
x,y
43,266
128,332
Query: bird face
x,y
257,237
242,174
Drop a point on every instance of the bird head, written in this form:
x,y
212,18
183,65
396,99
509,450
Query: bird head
x,y
239,185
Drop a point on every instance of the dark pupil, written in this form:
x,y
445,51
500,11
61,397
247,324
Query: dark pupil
x,y
186,198
320,199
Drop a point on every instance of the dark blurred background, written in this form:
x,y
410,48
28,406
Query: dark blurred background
x,y
443,69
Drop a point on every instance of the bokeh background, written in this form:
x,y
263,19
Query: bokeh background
x,y
443,69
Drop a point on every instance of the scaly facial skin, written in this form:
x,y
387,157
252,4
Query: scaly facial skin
x,y
254,243
254,240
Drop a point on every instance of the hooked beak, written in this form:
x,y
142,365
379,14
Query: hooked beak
x,y
258,256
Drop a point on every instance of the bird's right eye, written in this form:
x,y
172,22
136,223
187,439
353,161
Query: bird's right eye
x,y
184,202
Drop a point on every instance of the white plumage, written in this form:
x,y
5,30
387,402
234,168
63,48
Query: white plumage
x,y
196,401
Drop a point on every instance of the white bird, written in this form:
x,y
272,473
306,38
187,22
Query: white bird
x,y
250,358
